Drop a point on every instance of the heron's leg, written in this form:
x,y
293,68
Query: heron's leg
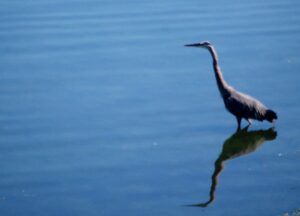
x,y
249,121
238,119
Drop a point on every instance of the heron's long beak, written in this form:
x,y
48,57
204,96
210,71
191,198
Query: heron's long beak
x,y
194,45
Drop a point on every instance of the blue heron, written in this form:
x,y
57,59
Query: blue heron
x,y
239,104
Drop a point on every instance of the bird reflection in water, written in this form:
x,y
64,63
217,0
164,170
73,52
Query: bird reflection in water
x,y
240,143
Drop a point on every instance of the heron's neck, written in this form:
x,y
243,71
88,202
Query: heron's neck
x,y
222,85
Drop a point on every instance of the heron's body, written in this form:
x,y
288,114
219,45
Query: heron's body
x,y
239,104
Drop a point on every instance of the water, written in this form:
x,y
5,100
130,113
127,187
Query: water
x,y
104,112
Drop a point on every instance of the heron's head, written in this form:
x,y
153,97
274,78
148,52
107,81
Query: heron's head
x,y
204,44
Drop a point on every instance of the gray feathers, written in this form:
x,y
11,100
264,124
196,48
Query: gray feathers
x,y
245,106
237,103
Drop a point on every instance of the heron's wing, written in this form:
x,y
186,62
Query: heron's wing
x,y
245,106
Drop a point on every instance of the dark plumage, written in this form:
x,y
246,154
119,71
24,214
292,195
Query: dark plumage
x,y
239,104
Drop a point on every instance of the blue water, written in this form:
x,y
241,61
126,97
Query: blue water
x,y
103,111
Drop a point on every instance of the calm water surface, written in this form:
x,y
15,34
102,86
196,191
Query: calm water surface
x,y
104,112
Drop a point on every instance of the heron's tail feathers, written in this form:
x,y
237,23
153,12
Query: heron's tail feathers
x,y
270,115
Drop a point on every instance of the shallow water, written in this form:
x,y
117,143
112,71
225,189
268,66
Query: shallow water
x,y
104,112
